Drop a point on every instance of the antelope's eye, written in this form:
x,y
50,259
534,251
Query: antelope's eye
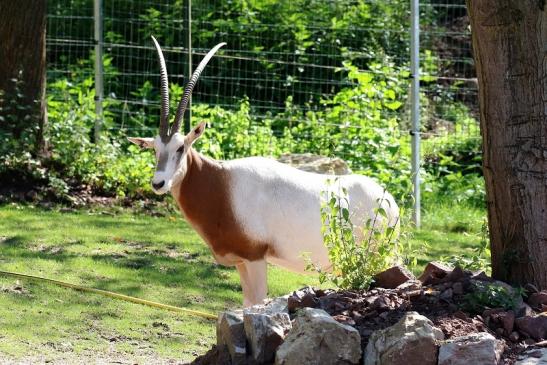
x,y
180,149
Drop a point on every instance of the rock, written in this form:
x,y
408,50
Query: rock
x,y
412,288
271,306
393,277
530,289
457,274
434,272
410,285
231,334
478,349
533,326
380,303
491,311
463,316
533,357
305,297
514,336
457,288
265,332
524,310
537,299
411,341
317,164
481,275
447,294
507,321
344,319
316,338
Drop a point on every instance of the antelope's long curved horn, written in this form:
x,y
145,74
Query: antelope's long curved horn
x,y
164,89
183,104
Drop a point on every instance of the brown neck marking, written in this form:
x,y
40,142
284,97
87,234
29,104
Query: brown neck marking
x,y
204,197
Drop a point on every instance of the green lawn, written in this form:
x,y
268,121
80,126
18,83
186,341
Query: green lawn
x,y
155,258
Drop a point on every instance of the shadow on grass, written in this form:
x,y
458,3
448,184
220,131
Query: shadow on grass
x,y
165,271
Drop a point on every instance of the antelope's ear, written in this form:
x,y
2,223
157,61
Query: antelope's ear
x,y
142,142
196,132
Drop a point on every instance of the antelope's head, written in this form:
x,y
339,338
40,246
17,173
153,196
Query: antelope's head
x,y
170,145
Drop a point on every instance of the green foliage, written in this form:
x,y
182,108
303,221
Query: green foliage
x,y
360,125
491,295
106,166
354,260
360,117
234,134
17,129
453,161
19,166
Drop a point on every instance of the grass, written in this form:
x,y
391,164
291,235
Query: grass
x,y
155,258
448,230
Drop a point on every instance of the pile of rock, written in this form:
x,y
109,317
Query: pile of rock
x,y
265,334
401,320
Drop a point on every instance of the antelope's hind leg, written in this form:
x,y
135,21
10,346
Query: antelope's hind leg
x,y
253,277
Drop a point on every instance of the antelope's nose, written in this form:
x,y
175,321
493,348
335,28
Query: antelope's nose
x,y
158,185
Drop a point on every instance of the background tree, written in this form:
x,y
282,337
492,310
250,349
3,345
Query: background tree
x,y
23,71
509,39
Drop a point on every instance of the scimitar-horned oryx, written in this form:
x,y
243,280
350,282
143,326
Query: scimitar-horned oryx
x,y
254,210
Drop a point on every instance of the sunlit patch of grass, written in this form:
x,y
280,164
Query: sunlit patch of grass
x,y
447,230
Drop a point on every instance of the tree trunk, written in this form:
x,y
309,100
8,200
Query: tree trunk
x,y
23,69
509,42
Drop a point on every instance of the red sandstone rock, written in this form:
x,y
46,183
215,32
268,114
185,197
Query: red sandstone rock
x,y
434,272
393,277
537,299
533,326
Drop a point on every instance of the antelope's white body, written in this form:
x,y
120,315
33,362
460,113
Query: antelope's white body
x,y
281,205
275,210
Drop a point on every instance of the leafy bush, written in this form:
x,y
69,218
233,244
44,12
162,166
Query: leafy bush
x,y
360,124
491,295
234,134
106,166
354,260
453,162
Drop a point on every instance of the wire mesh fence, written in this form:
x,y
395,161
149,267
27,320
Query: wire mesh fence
x,y
285,58
450,71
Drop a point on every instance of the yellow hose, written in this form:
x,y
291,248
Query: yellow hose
x,y
110,294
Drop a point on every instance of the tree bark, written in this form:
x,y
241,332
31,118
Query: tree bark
x,y
510,44
23,58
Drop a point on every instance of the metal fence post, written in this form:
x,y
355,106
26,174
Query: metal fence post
x,y
99,86
188,46
415,112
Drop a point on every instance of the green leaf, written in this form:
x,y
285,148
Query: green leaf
x,y
345,214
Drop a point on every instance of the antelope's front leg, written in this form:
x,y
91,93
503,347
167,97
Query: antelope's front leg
x,y
253,277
